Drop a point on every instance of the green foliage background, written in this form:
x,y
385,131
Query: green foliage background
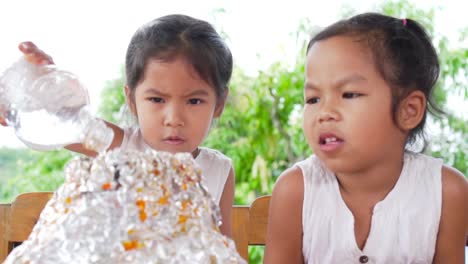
x,y
261,126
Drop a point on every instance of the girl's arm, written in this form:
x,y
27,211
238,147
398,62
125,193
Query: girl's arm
x,y
284,232
453,227
225,204
116,142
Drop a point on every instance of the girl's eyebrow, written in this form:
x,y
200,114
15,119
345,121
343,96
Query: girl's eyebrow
x,y
352,78
198,92
310,86
155,91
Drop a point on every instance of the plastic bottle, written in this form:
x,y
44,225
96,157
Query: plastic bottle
x,y
49,108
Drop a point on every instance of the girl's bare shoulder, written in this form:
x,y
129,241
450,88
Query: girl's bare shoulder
x,y
290,186
454,185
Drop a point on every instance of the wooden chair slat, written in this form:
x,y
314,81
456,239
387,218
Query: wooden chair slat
x,y
240,230
24,213
258,220
5,245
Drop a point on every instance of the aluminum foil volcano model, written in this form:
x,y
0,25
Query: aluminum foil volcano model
x,y
129,207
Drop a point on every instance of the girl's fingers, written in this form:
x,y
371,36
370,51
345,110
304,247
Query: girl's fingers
x,y
2,121
27,47
37,59
33,54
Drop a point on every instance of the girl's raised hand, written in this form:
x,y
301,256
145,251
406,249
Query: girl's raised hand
x,y
33,54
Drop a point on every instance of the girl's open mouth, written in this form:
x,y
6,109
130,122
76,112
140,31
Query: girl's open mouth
x,y
329,142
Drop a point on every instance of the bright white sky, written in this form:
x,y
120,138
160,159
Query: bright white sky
x,y
89,37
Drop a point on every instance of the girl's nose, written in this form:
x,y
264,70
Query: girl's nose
x,y
328,112
173,117
325,117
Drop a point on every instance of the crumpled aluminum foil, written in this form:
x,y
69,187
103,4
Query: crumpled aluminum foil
x,y
129,207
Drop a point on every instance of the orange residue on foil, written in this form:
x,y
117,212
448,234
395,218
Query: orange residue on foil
x,y
143,216
106,186
140,204
132,244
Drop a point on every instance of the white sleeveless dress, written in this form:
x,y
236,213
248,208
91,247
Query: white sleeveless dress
x,y
404,225
215,166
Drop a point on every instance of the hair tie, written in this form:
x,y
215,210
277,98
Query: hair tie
x,y
404,22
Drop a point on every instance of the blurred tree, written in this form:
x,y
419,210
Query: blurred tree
x,y
112,99
35,171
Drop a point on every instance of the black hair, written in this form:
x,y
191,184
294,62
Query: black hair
x,y
403,54
169,37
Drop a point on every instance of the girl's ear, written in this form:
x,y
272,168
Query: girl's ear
x,y
411,110
130,100
220,104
